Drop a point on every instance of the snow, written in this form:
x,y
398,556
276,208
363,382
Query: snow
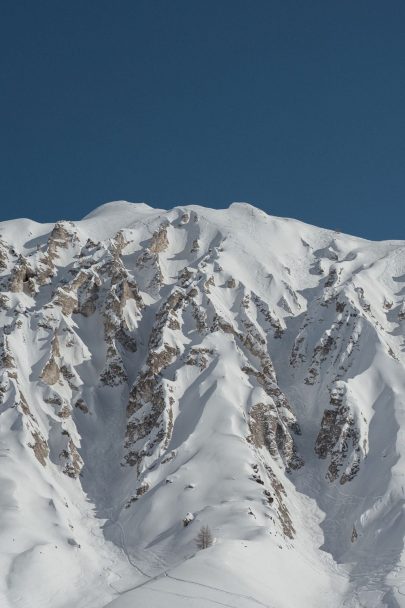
x,y
92,541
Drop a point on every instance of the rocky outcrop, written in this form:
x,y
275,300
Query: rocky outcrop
x,y
61,237
51,372
338,438
271,429
21,278
39,447
70,458
159,241
150,406
199,357
66,300
3,256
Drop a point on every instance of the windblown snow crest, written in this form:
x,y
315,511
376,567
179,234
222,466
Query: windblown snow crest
x,y
167,370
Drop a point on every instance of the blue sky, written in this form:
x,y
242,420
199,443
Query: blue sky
x,y
294,106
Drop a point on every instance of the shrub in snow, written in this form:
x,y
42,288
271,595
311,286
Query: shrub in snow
x,y
204,538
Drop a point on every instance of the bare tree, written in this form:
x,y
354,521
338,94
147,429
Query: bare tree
x,y
204,538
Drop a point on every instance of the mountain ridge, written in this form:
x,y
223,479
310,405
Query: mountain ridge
x,y
168,369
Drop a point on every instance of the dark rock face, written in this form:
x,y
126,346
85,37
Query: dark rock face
x,y
338,438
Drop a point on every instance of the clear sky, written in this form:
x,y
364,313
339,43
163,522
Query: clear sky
x,y
297,107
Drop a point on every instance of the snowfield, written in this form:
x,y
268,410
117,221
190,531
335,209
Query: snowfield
x,y
167,370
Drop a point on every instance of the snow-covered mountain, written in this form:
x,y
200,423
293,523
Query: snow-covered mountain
x,y
167,370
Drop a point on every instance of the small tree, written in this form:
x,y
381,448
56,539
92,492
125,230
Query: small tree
x,y
204,538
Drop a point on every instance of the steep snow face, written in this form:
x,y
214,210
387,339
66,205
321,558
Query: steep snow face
x,y
167,370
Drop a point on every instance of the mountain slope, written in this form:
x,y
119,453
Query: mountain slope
x,y
164,370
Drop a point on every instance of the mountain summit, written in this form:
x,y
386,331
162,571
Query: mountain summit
x,y
173,376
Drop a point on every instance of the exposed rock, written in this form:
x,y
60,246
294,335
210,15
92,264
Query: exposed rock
x,y
3,257
187,519
199,357
210,282
81,405
119,242
150,406
338,430
7,359
39,447
51,372
195,246
20,277
60,238
280,496
67,301
4,302
71,459
114,374
159,240
184,276
269,430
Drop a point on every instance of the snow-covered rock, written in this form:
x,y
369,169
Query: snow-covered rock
x,y
162,371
